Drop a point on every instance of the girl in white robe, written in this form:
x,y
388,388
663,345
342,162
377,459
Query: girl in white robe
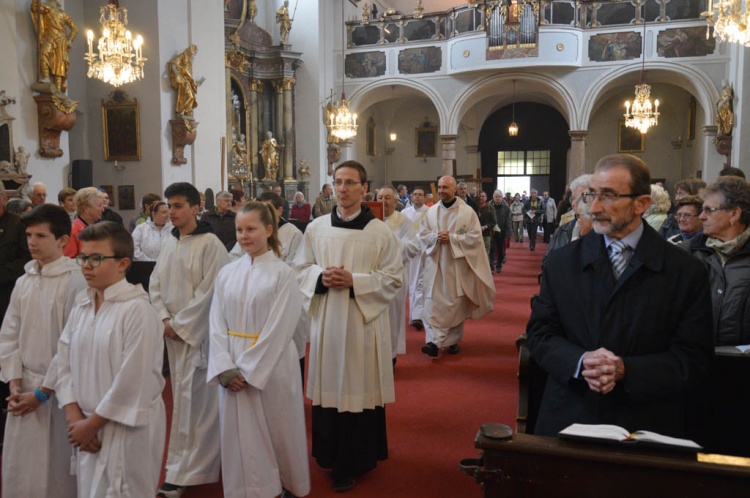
x,y
254,313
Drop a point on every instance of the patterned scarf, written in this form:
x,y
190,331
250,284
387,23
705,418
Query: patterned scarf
x,y
725,249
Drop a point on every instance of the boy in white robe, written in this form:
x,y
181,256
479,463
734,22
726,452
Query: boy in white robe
x,y
109,373
181,288
416,213
254,313
36,454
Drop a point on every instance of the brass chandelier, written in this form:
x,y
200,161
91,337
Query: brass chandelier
x,y
120,57
343,123
730,20
643,114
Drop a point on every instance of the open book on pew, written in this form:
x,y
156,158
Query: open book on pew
x,y
617,435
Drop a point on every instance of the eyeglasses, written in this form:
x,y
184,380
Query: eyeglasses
x,y
94,261
709,211
684,216
347,184
605,197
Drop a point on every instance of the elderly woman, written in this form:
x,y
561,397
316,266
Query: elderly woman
x,y
89,209
683,188
660,204
300,210
516,214
688,219
148,237
725,250
488,221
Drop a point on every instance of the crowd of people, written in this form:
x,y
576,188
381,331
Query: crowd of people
x,y
238,291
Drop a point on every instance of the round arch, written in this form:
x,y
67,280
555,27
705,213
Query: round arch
x,y
690,79
532,87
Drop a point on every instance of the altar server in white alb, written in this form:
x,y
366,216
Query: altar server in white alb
x,y
36,453
402,228
181,288
254,313
349,268
457,277
109,364
416,213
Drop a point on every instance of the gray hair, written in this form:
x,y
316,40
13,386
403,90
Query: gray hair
x,y
389,187
660,201
223,194
736,193
582,181
461,184
498,191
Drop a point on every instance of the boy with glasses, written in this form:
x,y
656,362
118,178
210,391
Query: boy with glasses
x,y
109,366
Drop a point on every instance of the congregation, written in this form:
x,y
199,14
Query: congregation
x,y
246,303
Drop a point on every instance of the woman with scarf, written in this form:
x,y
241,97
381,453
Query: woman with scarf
x,y
300,210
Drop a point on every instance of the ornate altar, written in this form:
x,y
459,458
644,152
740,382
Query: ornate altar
x,y
12,163
262,79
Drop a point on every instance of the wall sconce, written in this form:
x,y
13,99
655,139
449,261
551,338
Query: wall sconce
x,y
393,136
119,167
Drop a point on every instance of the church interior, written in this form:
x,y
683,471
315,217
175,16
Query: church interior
x,y
503,94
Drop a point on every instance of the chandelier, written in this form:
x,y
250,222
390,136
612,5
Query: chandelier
x,y
643,114
513,128
729,19
343,123
120,57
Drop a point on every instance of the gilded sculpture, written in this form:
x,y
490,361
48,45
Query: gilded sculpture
x,y
725,112
269,152
55,33
285,23
181,78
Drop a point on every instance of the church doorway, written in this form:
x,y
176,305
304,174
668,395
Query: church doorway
x,y
535,158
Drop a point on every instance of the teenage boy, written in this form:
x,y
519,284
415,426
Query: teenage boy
x,y
36,461
181,288
109,366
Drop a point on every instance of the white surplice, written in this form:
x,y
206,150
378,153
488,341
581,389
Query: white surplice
x,y
403,229
350,344
181,289
457,277
109,362
290,238
36,453
416,267
254,313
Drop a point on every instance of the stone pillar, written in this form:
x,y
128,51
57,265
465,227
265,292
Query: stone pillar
x,y
289,142
577,165
448,156
474,162
256,87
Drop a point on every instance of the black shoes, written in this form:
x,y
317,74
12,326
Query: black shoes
x,y
430,349
454,349
168,490
417,324
343,485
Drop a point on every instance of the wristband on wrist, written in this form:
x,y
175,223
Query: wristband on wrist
x,y
40,396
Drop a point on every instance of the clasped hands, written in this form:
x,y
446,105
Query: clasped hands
x,y
19,402
602,369
337,278
444,236
169,332
82,431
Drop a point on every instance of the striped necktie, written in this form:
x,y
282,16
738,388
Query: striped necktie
x,y
617,256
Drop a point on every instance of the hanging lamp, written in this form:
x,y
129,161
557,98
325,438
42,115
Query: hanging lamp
x,y
513,128
643,114
343,123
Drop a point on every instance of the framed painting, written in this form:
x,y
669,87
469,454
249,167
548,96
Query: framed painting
x,y
629,140
121,128
126,196
425,140
371,137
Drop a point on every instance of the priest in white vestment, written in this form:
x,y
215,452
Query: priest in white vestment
x,y
181,288
402,228
254,313
109,361
416,213
457,277
349,269
36,453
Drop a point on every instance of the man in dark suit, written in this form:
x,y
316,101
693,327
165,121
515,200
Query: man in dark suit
x,y
623,321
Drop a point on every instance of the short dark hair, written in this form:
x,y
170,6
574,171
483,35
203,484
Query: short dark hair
x,y
640,176
354,165
155,207
55,216
186,190
690,200
149,199
237,196
736,193
65,193
119,237
692,186
272,197
419,187
732,171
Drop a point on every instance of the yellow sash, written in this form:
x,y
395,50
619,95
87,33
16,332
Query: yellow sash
x,y
254,337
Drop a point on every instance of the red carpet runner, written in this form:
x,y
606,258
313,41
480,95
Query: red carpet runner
x,y
441,403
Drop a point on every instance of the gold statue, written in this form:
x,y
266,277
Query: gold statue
x,y
269,152
55,32
181,78
725,112
239,156
285,23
